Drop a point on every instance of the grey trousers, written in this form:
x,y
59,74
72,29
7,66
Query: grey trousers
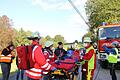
x,y
5,70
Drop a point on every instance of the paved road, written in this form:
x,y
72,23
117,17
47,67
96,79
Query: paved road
x,y
102,75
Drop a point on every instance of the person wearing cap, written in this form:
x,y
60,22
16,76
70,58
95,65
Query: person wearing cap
x,y
49,52
89,59
7,56
49,55
112,57
59,51
39,59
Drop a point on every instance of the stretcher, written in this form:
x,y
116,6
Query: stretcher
x,y
65,72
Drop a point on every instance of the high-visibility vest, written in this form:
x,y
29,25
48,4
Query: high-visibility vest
x,y
7,58
91,61
112,58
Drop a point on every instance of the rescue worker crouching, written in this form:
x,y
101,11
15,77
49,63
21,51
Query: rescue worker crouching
x,y
49,55
6,59
112,57
89,59
41,66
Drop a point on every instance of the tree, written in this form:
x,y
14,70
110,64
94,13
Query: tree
x,y
99,11
58,38
48,37
21,37
43,41
7,33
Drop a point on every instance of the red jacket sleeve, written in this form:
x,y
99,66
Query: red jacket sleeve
x,y
88,55
39,56
41,60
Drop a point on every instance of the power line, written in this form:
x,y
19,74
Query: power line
x,y
76,9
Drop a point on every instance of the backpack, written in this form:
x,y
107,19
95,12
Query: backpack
x,y
24,56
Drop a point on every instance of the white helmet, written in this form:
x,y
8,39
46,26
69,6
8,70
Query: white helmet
x,y
35,35
87,39
48,43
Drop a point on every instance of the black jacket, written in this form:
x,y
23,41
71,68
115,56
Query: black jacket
x,y
59,52
6,51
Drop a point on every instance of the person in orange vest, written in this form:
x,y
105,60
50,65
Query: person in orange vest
x,y
7,56
41,66
89,60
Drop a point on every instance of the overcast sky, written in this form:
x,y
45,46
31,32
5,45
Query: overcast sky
x,y
49,17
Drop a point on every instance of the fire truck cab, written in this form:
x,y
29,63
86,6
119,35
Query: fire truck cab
x,y
106,35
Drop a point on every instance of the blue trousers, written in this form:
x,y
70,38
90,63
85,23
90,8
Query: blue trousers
x,y
5,70
20,73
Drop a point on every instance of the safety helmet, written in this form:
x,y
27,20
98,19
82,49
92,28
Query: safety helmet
x,y
70,53
48,43
35,35
87,39
115,43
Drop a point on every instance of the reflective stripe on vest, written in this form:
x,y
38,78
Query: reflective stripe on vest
x,y
91,61
34,73
37,73
33,52
46,66
113,58
7,58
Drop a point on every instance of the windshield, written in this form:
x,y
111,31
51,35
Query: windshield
x,y
109,33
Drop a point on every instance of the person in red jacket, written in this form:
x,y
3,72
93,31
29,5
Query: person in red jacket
x,y
49,52
89,59
41,66
49,55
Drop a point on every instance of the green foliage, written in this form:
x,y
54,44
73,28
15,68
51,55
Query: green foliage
x,y
99,11
19,37
58,38
48,38
42,41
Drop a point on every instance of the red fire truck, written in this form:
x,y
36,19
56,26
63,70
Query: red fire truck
x,y
106,35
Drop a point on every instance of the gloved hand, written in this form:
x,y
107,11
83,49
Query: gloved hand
x,y
53,69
